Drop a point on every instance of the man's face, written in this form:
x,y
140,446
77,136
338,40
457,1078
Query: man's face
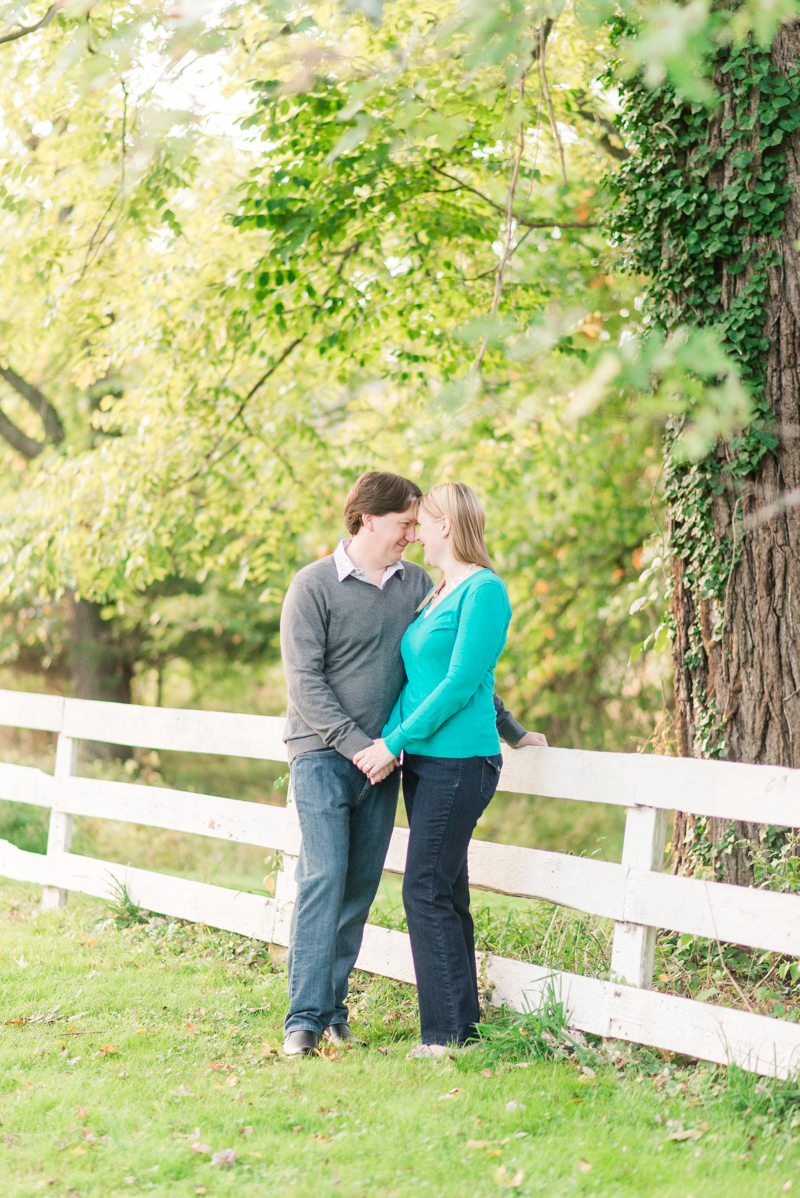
x,y
392,533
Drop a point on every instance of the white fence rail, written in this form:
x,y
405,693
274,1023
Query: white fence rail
x,y
633,893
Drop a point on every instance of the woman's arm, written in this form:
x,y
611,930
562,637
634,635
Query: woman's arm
x,y
482,628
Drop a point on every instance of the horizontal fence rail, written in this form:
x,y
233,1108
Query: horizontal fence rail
x,y
633,893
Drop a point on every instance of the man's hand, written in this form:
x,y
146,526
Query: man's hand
x,y
532,738
376,761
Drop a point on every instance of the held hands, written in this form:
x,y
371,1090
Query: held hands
x,y
532,738
376,761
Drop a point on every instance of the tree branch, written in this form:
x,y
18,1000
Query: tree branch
x,y
546,91
17,439
520,220
53,428
24,30
621,153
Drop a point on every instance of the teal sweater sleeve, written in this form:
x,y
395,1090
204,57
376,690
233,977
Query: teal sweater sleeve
x,y
481,631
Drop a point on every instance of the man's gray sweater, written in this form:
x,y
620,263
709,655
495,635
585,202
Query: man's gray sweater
x,y
340,643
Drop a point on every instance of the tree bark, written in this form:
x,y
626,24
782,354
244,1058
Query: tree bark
x,y
746,658
99,668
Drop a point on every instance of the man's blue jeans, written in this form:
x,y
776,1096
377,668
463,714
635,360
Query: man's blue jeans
x,y
346,824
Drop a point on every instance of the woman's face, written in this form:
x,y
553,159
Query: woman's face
x,y
432,533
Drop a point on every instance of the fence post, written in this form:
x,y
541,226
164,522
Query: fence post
x,y
633,948
59,837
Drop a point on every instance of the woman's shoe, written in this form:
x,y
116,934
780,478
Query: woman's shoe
x,y
428,1052
301,1043
342,1035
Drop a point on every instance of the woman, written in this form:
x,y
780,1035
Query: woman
x,y
444,724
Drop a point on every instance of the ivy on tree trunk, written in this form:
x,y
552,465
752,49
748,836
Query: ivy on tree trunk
x,y
709,208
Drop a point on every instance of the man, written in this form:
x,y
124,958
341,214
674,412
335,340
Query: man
x,y
341,626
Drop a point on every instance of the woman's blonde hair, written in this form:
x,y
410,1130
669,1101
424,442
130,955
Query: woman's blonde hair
x,y
467,519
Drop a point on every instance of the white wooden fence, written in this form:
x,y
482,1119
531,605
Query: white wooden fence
x,y
634,893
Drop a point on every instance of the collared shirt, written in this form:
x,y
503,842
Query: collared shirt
x,y
345,567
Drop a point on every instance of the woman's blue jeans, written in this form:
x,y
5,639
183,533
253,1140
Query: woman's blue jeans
x,y
445,797
346,824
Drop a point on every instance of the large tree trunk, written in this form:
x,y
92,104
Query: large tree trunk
x,y
99,667
737,660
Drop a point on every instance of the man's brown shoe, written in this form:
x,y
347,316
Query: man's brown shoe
x,y
301,1043
341,1034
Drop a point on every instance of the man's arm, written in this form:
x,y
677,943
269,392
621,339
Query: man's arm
x,y
303,642
511,731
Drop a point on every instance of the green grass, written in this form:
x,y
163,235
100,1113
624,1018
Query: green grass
x,y
158,1042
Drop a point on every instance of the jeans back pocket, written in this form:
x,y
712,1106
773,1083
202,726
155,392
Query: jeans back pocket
x,y
490,775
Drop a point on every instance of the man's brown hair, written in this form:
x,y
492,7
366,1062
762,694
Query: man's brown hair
x,y
377,493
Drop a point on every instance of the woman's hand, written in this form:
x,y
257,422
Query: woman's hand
x,y
373,761
532,738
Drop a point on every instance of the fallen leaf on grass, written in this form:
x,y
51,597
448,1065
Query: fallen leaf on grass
x,y
247,1130
583,1165
787,1185
486,1073
587,1072
201,1190
690,1133
82,1112
297,1127
319,1137
201,1149
80,1150
47,1016
220,1067
93,973
107,1049
183,1092
269,1051
515,1106
9,1022
450,1093
226,1158
502,1179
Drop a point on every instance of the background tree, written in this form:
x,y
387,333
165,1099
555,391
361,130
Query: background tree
x,y
709,209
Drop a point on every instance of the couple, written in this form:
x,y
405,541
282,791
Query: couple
x,y
380,663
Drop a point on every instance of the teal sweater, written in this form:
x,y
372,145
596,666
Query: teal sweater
x,y
446,708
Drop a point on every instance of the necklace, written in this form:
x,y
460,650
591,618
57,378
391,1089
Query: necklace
x,y
450,586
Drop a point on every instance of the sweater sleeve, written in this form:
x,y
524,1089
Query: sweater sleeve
x,y
508,728
304,633
482,627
